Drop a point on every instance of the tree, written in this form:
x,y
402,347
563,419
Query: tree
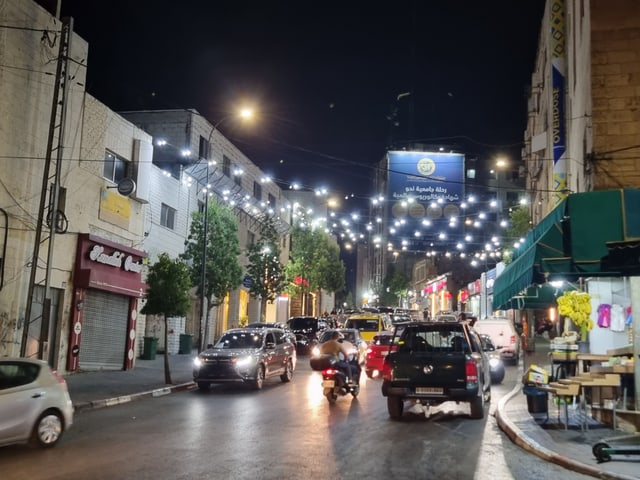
x,y
167,295
314,264
222,270
264,269
520,222
395,284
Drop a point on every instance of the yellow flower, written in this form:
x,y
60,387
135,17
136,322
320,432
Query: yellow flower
x,y
577,306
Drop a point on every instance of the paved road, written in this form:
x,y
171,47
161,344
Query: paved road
x,y
284,431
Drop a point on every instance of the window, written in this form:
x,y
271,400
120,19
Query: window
x,y
257,191
272,200
238,180
226,165
167,216
115,168
203,149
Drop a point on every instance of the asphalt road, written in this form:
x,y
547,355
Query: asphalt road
x,y
285,431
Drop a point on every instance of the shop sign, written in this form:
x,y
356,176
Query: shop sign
x,y
116,259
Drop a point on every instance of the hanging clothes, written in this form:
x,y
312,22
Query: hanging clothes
x,y
604,315
617,318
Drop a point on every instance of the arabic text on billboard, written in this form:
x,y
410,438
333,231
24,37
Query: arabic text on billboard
x,y
434,184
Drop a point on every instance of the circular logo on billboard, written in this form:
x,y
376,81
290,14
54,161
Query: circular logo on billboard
x,y
426,166
398,210
434,211
451,211
417,210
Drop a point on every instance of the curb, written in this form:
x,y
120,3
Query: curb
x,y
525,442
110,402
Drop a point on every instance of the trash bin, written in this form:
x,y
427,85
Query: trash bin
x,y
537,400
150,348
186,344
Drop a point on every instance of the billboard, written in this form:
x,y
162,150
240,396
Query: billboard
x,y
425,190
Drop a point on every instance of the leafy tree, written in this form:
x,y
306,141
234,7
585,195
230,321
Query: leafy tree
x,y
314,264
394,285
167,295
264,269
520,224
222,271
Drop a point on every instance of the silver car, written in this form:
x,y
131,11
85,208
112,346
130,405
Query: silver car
x,y
35,405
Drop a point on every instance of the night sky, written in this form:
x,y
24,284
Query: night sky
x,y
327,77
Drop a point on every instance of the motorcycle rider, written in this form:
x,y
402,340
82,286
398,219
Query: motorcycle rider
x,y
335,347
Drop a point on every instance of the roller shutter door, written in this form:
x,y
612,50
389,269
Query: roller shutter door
x,y
104,331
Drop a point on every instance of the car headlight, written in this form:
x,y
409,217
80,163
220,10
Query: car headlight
x,y
243,362
315,351
197,362
494,362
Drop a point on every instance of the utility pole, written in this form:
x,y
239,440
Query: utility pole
x,y
54,146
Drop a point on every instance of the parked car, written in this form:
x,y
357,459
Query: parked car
x,y
246,355
306,331
351,335
496,365
503,336
35,405
377,350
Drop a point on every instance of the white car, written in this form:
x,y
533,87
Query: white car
x,y
503,335
35,405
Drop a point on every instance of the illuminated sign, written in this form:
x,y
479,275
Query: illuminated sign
x,y
425,190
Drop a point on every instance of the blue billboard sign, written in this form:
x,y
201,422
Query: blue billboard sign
x,y
425,190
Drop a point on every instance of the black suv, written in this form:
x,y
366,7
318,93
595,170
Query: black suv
x,y
306,331
246,355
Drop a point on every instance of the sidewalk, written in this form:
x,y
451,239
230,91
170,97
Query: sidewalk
x,y
96,389
570,448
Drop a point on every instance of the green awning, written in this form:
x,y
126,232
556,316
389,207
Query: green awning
x,y
546,239
570,242
536,296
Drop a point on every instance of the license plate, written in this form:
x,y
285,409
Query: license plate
x,y
328,383
384,353
433,390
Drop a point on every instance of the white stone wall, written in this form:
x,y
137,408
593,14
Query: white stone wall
x,y
25,102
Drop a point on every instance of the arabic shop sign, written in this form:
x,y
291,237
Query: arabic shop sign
x,y
116,259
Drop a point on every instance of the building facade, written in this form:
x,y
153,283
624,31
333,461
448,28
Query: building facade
x,y
191,153
584,119
72,283
63,151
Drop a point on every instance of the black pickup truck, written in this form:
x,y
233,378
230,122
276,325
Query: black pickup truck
x,y
435,362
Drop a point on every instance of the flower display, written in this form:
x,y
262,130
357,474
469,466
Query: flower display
x,y
577,306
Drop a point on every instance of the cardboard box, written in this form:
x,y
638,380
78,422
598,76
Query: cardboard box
x,y
535,374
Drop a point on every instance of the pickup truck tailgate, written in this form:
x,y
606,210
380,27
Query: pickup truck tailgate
x,y
443,370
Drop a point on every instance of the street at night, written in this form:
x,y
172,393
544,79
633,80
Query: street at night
x,y
285,431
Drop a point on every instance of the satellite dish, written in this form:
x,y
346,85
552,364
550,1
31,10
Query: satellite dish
x,y
126,186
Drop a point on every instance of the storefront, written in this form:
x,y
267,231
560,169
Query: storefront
x,y
107,286
437,296
589,242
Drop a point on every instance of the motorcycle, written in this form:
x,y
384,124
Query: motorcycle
x,y
335,383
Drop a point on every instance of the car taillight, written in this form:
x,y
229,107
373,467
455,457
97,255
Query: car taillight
x,y
387,370
59,377
513,339
471,372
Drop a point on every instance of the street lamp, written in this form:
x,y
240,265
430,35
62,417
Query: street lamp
x,y
244,113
